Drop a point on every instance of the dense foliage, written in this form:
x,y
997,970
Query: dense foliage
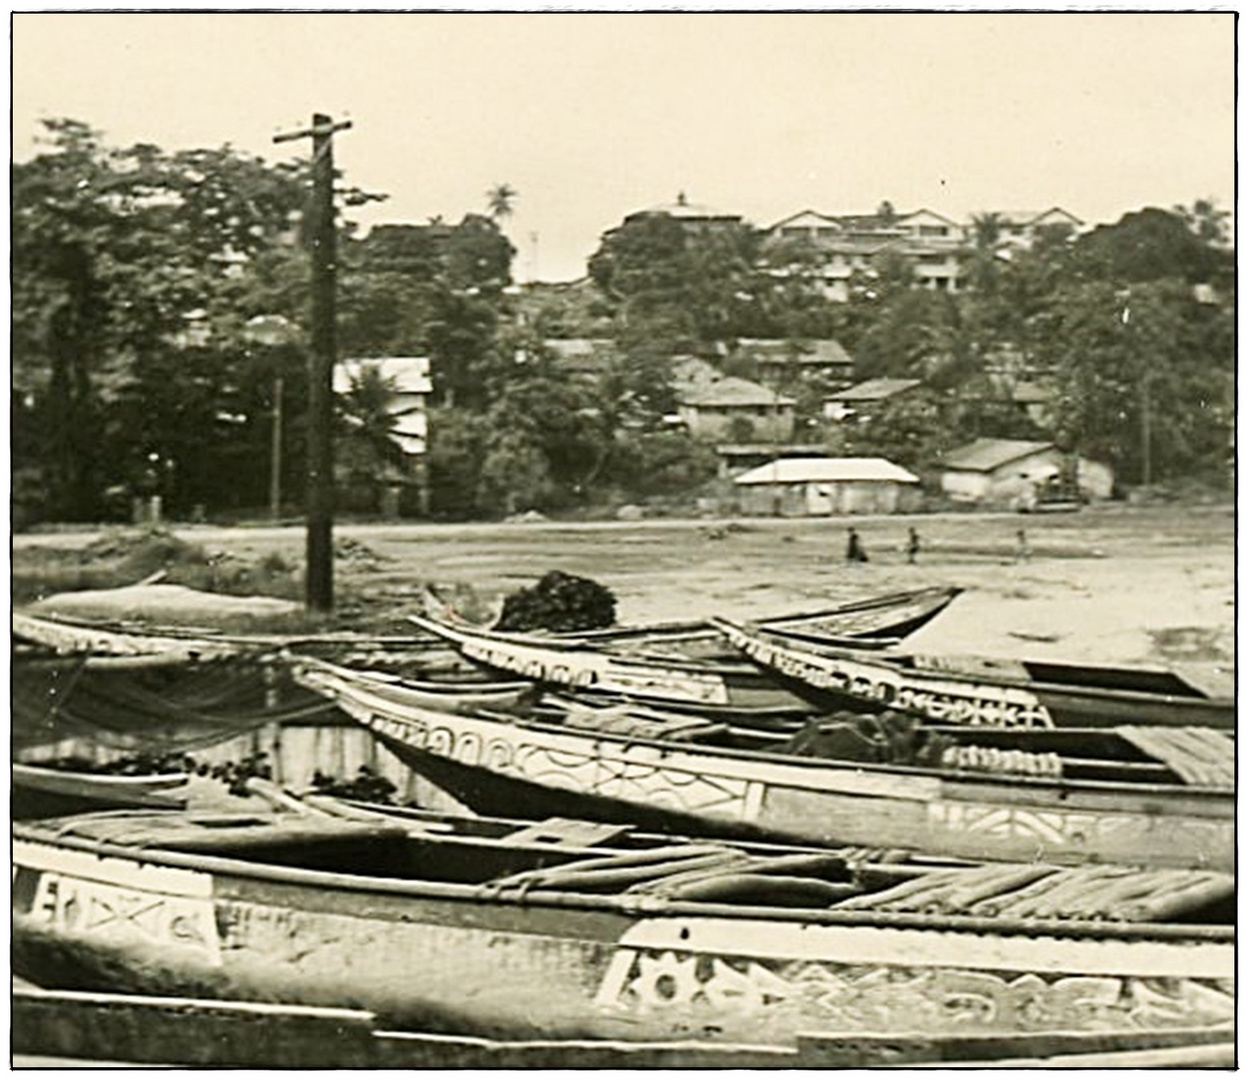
x,y
159,302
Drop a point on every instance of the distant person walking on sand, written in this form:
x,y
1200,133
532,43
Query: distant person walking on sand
x,y
912,547
854,551
1024,552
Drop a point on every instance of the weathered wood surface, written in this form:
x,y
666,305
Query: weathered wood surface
x,y
464,959
501,766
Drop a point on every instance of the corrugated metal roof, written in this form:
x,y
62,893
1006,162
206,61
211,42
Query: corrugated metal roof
x,y
984,455
733,391
822,470
874,390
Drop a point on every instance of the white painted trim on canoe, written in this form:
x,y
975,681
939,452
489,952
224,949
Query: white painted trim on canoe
x,y
928,948
129,873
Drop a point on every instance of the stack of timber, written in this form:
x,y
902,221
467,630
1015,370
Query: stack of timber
x,y
1065,796
436,925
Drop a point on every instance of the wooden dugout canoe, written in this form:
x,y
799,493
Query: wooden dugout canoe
x,y
42,792
503,765
982,691
577,665
870,623
302,912
877,619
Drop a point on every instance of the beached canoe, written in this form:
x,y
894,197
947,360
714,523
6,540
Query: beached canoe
x,y
579,665
42,792
872,622
981,691
1007,802
431,931
869,622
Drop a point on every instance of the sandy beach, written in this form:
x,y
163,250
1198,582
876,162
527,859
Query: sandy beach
x,y
1112,584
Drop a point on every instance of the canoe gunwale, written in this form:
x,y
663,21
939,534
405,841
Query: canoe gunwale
x,y
925,675
988,780
623,905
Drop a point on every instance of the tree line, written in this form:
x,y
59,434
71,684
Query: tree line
x,y
159,301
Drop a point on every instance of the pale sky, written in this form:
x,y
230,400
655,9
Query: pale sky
x,y
593,116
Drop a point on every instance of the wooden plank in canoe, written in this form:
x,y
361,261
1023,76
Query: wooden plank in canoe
x,y
566,832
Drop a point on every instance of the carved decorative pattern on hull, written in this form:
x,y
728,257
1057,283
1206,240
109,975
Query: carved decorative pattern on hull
x,y
943,700
635,781
841,997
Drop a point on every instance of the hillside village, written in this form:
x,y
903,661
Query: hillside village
x,y
785,416
897,359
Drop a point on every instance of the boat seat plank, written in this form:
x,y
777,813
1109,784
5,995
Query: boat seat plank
x,y
566,832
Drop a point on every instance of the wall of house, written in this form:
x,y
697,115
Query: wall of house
x,y
827,499
1096,481
1013,484
767,424
964,486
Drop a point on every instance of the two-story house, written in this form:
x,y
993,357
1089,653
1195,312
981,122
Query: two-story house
x,y
933,245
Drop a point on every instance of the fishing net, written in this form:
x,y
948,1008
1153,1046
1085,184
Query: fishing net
x,y
177,708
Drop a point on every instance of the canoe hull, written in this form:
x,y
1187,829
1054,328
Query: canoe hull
x,y
857,682
40,792
803,800
93,916
577,667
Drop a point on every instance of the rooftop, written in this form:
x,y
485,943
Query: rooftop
x,y
874,390
825,470
683,208
808,351
984,455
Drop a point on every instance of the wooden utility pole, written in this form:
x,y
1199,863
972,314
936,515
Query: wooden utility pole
x,y
275,453
322,239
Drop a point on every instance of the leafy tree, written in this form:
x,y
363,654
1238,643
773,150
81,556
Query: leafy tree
x,y
1148,245
911,429
1207,222
114,251
1144,376
501,201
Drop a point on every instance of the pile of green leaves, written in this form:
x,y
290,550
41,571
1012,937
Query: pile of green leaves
x,y
559,602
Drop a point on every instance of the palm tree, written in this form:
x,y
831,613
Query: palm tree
x,y
500,200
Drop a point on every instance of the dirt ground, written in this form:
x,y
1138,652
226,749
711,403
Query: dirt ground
x,y
1127,584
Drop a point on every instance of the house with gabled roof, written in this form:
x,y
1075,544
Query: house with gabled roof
x,y
856,402
934,245
736,409
1018,229
1014,473
823,486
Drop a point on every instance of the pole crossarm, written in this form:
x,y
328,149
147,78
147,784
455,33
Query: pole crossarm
x,y
321,129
